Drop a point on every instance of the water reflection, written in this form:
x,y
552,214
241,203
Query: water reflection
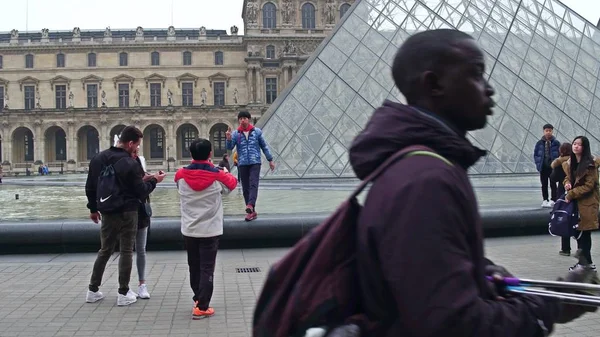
x,y
69,202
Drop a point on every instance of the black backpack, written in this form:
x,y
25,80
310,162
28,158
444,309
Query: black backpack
x,y
109,197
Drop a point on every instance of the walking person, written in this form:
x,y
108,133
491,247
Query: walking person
x,y
581,184
545,151
420,247
114,189
144,215
224,163
200,187
558,175
248,141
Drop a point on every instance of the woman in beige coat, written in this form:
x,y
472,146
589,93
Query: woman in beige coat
x,y
581,182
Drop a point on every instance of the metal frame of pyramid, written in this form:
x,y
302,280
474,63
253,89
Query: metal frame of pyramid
x,y
539,58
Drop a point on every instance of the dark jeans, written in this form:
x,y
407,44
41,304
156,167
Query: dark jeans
x,y
565,244
201,255
122,227
545,178
585,244
250,175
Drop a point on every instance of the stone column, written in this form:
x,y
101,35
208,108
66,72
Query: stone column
x,y
71,142
171,139
104,136
260,85
39,143
253,96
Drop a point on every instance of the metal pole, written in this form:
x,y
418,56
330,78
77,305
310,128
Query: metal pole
x,y
566,298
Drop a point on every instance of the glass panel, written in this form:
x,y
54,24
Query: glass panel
x,y
493,165
364,10
340,93
485,137
449,14
509,59
297,155
375,42
501,16
476,15
575,21
395,13
548,111
319,75
506,152
312,133
327,112
542,45
292,112
532,76
331,152
346,130
547,32
344,41
333,57
422,14
353,75
583,96
381,73
537,61
372,92
277,132
554,94
576,111
489,44
555,7
356,26
520,112
496,30
589,62
385,27
558,77
525,19
526,94
571,33
567,47
562,62
533,5
569,128
584,78
360,111
550,18
590,46
317,169
469,27
593,126
516,45
504,76
364,57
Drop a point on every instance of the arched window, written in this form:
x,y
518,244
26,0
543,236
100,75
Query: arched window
x,y
269,13
155,58
187,58
156,143
91,59
270,52
343,9
218,139
308,16
218,58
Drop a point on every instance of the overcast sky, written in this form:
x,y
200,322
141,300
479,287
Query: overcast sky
x,y
213,14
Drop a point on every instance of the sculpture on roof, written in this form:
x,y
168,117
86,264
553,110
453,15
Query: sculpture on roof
x,y
170,97
76,32
202,30
45,32
171,31
139,31
71,98
14,34
107,32
136,98
234,30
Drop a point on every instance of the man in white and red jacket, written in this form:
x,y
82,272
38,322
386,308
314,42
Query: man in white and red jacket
x,y
200,186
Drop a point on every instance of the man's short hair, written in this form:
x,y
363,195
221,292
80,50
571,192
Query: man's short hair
x,y
428,50
130,134
548,126
200,149
243,114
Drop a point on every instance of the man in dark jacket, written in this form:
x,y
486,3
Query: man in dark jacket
x,y
420,252
121,223
546,150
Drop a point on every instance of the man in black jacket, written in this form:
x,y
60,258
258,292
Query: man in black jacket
x,y
121,222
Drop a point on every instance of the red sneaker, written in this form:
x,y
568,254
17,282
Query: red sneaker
x,y
199,314
251,216
249,209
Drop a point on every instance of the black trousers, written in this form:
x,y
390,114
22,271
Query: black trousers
x,y
202,254
585,244
545,178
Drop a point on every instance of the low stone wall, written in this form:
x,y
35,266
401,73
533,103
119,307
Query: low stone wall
x,y
75,236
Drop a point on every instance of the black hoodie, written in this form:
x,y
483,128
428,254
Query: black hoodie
x,y
420,231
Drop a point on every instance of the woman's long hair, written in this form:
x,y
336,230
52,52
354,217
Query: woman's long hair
x,y
579,169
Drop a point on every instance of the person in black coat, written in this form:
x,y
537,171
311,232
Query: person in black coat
x,y
558,176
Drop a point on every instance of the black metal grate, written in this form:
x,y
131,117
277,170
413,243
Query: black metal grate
x,y
247,270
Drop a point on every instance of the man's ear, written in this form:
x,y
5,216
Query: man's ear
x,y
432,84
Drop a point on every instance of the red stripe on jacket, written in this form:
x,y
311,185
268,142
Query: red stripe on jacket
x,y
202,173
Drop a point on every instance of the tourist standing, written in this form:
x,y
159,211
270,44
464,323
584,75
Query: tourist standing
x,y
420,253
581,184
546,150
200,187
248,141
224,163
144,215
558,175
114,190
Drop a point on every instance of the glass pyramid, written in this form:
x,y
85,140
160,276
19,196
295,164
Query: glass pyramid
x,y
540,60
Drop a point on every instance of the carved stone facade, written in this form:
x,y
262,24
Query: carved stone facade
x,y
71,91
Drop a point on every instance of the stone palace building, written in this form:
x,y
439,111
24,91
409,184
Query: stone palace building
x,y
65,94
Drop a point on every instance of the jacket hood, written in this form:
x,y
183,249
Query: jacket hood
x,y
200,175
543,139
395,126
559,161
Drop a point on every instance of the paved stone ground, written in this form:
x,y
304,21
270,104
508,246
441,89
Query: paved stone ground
x,y
44,295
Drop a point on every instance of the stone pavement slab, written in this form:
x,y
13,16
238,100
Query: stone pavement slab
x,y
44,295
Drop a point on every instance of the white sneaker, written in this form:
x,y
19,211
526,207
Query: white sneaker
x,y
545,204
550,203
92,297
128,299
143,292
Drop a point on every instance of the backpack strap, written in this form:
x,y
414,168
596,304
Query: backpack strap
x,y
414,150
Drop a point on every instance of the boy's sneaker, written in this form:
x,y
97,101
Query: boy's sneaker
x,y
589,266
564,253
249,209
143,292
545,203
199,314
128,299
251,216
92,297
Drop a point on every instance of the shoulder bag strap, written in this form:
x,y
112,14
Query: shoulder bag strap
x,y
414,150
